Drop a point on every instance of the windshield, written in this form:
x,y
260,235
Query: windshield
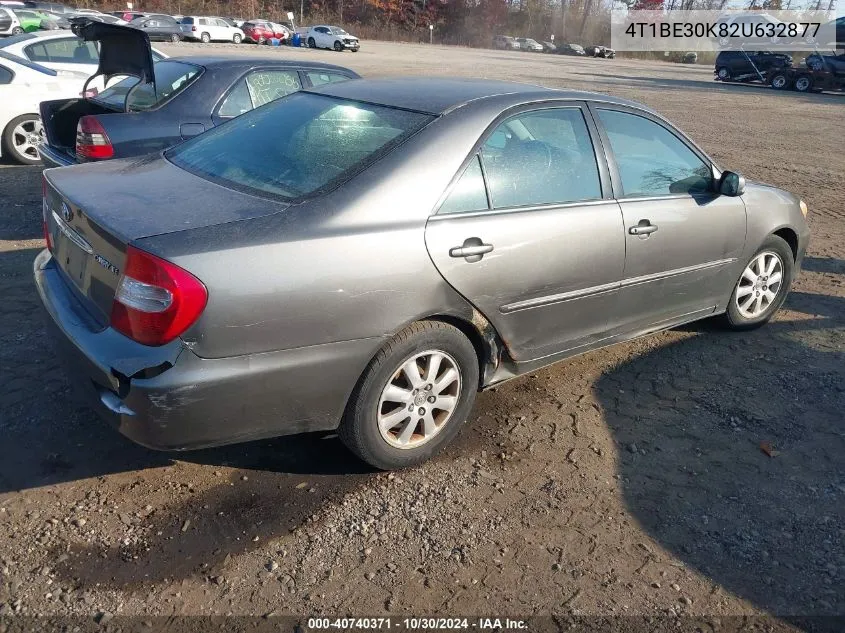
x,y
317,142
338,31
171,77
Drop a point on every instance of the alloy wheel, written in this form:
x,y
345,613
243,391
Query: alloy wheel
x,y
25,138
759,284
419,399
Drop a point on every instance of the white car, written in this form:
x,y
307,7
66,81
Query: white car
x,y
208,29
9,23
23,86
332,37
61,51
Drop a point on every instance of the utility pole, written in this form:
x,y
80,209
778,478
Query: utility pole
x,y
563,6
341,12
301,12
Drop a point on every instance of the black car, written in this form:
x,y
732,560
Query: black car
x,y
570,49
174,98
159,27
748,65
831,63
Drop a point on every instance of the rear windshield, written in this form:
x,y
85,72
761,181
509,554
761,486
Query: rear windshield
x,y
186,21
317,143
171,77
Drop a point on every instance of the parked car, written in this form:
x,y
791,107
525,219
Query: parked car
x,y
105,17
225,319
604,52
570,49
505,42
188,96
527,44
31,20
748,65
258,31
23,85
332,37
549,47
62,51
281,32
57,7
749,29
209,29
61,19
161,28
10,24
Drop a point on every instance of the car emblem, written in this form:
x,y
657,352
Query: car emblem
x,y
67,214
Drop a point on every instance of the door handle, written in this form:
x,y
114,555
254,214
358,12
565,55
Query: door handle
x,y
643,229
473,249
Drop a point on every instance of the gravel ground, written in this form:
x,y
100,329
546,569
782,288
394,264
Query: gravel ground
x,y
626,481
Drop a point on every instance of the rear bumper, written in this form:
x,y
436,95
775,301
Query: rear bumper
x,y
54,158
167,398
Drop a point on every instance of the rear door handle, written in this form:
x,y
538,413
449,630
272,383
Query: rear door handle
x,y
473,249
644,228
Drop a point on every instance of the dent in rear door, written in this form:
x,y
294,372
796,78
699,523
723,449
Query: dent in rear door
x,y
545,275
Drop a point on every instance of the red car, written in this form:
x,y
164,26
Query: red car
x,y
259,31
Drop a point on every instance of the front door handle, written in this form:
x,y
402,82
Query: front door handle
x,y
643,229
472,250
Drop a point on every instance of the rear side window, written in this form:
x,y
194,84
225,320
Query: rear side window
x,y
541,157
171,77
64,51
469,193
652,161
268,85
317,142
6,75
318,78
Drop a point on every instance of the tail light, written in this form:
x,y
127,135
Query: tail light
x,y
92,142
193,28
156,300
45,210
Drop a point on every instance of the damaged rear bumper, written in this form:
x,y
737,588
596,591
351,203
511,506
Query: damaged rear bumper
x,y
168,398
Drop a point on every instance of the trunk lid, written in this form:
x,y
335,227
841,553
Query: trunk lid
x,y
94,211
124,50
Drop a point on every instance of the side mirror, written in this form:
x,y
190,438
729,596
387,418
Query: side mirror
x,y
731,184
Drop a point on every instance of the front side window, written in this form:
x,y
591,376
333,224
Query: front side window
x,y
469,193
652,161
171,77
317,142
541,157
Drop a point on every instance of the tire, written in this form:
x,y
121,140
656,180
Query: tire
x,y
723,74
738,319
803,83
311,43
175,38
17,31
338,46
205,38
380,445
16,132
779,81
354,50
236,38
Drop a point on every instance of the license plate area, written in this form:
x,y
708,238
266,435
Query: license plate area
x,y
73,253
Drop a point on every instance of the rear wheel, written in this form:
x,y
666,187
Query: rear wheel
x,y
803,84
174,37
205,37
723,74
17,30
762,287
338,46
311,43
413,397
21,138
236,38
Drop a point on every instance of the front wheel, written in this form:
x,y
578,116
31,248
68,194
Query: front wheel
x,y
21,138
762,287
338,46
413,397
723,74
236,38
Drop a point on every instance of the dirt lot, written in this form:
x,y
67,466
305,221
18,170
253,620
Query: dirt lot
x,y
626,481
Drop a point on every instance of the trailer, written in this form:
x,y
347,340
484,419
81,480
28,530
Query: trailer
x,y
806,80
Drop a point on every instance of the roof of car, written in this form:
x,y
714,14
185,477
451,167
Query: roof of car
x,y
441,95
248,62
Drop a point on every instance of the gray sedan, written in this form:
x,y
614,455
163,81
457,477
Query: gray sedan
x,y
397,246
